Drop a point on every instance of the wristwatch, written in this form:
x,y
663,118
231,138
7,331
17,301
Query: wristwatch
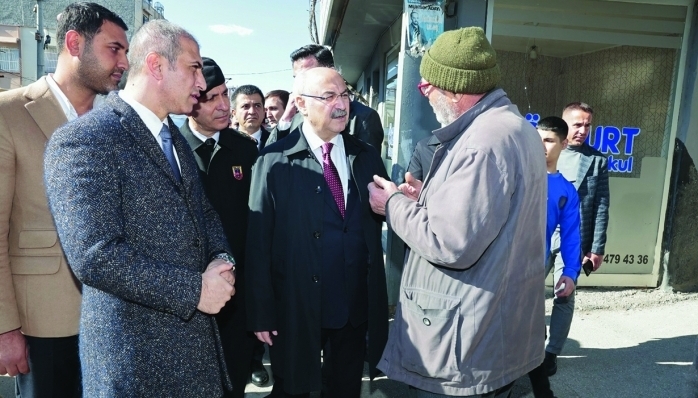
x,y
224,256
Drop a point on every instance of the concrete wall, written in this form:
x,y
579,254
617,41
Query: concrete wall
x,y
680,252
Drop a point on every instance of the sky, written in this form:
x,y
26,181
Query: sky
x,y
250,40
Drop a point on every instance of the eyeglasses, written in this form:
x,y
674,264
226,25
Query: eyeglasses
x,y
423,88
332,98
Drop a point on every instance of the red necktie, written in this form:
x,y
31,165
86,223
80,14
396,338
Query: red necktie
x,y
332,177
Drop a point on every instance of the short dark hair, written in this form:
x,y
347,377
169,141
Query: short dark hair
x,y
280,94
86,19
247,89
555,124
322,54
578,106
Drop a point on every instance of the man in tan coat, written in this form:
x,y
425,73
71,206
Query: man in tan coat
x,y
39,296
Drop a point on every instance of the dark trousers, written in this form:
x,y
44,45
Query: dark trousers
x,y
258,352
540,382
343,368
54,369
238,344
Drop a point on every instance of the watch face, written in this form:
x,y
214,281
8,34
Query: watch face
x,y
225,257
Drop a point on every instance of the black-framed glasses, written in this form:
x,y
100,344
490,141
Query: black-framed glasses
x,y
332,98
423,87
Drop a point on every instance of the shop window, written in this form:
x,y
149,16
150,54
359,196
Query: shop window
x,y
50,60
390,98
622,59
9,60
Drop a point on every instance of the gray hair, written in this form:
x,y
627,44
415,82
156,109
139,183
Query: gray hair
x,y
159,36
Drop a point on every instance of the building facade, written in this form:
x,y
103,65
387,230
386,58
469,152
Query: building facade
x,y
634,61
18,33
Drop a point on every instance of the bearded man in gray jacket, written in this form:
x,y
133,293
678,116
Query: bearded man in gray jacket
x,y
470,319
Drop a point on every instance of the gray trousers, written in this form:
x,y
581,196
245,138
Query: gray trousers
x,y
563,307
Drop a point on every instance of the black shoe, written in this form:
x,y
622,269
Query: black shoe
x,y
259,376
550,363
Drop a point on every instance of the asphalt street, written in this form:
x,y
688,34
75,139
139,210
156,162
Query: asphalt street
x,y
616,353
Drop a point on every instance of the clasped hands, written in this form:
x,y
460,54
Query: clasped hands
x,y
380,190
217,286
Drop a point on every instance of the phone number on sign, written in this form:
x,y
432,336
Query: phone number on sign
x,y
625,259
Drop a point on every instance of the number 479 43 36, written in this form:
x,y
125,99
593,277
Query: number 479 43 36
x,y
625,259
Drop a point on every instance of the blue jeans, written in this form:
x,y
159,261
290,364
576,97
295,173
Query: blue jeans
x,y
563,307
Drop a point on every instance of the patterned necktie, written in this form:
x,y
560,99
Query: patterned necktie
x,y
205,151
169,153
332,177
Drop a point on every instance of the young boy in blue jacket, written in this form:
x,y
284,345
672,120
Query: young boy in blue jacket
x,y
563,206
563,212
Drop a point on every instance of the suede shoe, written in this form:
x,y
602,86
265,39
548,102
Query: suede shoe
x,y
259,376
550,363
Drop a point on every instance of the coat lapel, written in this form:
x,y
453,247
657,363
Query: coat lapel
x,y
194,144
265,137
584,163
353,149
134,126
297,146
188,169
44,108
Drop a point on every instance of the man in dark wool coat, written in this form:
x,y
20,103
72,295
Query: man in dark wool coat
x,y
139,233
315,276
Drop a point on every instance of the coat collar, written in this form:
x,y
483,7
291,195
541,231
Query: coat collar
x,y
43,107
295,142
192,140
447,133
585,162
136,128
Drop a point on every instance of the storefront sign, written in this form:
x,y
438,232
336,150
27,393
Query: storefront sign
x,y
426,24
607,140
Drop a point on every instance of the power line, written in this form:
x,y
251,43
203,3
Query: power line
x,y
257,73
17,74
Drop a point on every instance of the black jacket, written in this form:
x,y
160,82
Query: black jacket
x,y
420,163
227,184
285,227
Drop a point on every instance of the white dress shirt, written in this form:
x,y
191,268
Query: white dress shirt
x,y
152,122
68,108
202,137
338,156
258,136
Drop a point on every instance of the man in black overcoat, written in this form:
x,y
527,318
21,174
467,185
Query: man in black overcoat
x,y
225,158
316,279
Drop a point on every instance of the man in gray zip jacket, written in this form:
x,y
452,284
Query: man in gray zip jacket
x,y
470,319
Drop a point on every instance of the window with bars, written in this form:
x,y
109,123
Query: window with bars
x,y
9,59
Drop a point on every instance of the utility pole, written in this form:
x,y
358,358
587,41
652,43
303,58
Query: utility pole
x,y
39,36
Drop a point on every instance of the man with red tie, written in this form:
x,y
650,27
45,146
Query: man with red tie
x,y
315,276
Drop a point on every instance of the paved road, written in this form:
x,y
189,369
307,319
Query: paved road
x,y
636,353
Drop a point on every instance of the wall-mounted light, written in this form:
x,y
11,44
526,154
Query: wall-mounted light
x,y
533,53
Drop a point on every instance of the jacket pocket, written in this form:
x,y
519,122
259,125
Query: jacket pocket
x,y
429,334
35,265
37,239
